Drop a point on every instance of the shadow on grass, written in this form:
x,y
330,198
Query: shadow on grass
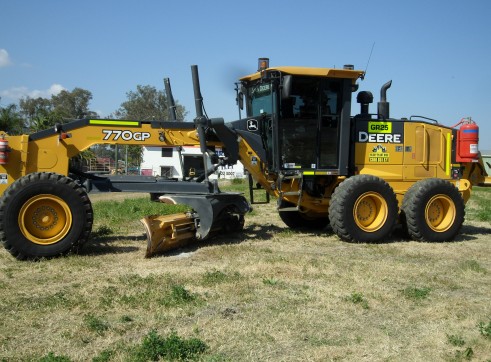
x,y
100,245
110,244
469,232
250,232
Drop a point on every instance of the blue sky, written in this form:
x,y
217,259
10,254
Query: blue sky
x,y
438,53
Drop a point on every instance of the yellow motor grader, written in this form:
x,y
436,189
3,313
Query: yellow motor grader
x,y
362,173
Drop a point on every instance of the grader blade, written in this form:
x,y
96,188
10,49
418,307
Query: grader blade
x,y
211,213
167,232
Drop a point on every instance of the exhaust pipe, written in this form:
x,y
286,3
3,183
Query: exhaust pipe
x,y
171,104
383,105
200,121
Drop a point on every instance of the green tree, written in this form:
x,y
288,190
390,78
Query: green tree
x,y
146,103
35,107
103,150
42,113
11,120
40,122
37,112
72,105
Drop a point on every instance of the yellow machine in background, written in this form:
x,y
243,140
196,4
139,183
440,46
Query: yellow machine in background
x,y
361,173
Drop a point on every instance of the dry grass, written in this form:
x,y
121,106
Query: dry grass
x,y
268,294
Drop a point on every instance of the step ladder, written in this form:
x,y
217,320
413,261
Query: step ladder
x,y
253,189
281,194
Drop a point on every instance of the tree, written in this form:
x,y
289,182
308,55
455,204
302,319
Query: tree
x,y
42,113
40,122
72,105
35,107
146,103
10,120
37,112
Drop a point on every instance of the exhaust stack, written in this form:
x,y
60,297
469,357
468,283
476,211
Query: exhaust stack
x,y
171,104
383,105
201,122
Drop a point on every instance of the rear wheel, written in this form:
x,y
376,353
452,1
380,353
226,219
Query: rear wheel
x,y
363,208
44,215
433,210
298,220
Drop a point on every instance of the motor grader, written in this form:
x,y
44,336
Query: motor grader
x,y
362,173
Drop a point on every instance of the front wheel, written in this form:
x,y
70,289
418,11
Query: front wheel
x,y
44,215
433,210
363,208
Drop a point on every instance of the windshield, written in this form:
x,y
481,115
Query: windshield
x,y
260,99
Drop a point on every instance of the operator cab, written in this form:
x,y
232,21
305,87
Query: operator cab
x,y
302,116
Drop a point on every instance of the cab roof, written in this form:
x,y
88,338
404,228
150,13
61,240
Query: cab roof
x,y
307,71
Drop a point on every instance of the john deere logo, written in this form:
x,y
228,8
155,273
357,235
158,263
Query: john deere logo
x,y
252,125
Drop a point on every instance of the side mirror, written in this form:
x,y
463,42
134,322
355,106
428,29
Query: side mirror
x,y
286,87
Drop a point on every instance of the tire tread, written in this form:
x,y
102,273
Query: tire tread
x,y
340,203
56,179
413,207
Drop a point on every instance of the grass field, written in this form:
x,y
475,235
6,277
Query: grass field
x,y
267,294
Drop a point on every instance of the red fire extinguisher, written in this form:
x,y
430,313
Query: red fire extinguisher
x,y
467,141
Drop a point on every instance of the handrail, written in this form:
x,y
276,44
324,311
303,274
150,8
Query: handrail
x,y
424,145
448,154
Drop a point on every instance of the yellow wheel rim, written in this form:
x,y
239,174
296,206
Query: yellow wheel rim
x,y
370,211
440,213
45,219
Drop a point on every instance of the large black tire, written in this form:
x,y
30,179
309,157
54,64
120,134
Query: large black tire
x,y
433,210
363,208
300,220
44,215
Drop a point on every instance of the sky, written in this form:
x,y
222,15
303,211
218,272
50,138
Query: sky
x,y
437,53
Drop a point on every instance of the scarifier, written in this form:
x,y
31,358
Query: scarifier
x,y
362,173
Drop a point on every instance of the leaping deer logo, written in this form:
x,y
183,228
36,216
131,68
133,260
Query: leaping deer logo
x,y
252,125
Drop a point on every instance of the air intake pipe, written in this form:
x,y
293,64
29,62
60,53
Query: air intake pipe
x,y
383,105
364,98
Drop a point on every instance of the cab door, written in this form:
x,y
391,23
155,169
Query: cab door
x,y
308,126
